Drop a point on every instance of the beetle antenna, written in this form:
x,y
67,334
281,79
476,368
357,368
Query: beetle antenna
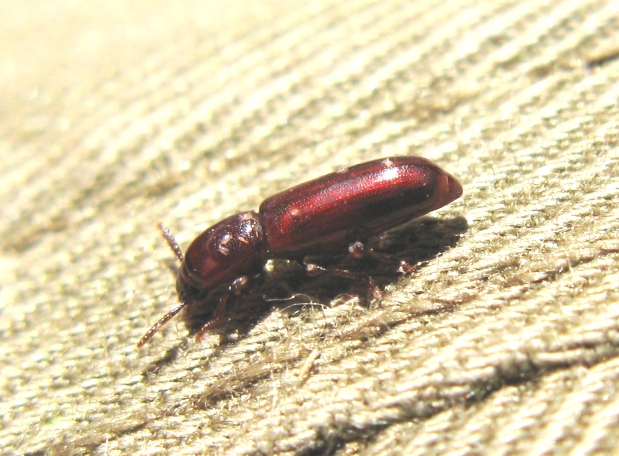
x,y
165,232
167,317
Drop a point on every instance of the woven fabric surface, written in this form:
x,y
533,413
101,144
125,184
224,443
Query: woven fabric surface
x,y
118,115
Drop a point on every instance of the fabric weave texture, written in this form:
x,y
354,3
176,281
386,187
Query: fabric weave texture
x,y
119,115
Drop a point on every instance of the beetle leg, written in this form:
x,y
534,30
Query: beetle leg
x,y
218,315
235,288
359,250
374,291
404,267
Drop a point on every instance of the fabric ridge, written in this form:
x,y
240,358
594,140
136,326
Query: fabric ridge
x,y
120,116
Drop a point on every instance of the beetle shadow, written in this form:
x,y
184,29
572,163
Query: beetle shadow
x,y
285,285
415,242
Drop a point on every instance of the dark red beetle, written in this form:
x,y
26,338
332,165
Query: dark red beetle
x,y
339,210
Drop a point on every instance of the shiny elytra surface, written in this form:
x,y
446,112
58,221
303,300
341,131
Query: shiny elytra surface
x,y
353,204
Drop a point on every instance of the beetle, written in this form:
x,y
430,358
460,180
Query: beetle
x,y
341,209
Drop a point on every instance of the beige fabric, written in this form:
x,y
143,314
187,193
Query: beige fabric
x,y
118,115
